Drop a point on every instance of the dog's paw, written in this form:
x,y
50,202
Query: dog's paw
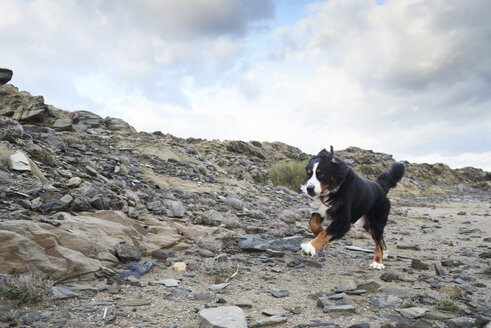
x,y
386,254
378,266
308,249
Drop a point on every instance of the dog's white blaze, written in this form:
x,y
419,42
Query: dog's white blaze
x,y
308,249
313,182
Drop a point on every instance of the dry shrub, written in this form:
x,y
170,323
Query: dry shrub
x,y
288,174
27,288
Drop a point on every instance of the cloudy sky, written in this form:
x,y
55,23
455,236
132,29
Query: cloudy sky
x,y
410,78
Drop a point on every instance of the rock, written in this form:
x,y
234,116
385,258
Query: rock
x,y
348,308
452,291
114,288
459,324
386,301
134,270
178,209
369,285
439,269
117,124
272,313
279,293
60,293
127,253
346,285
439,315
271,321
399,292
218,287
360,325
244,303
180,292
264,242
222,317
413,312
204,297
18,161
419,265
134,302
206,253
73,182
389,276
451,263
63,124
5,75
166,282
179,267
413,247
337,296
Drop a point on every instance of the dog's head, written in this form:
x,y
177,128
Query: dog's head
x,y
325,174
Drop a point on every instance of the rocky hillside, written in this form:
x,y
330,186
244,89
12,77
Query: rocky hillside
x,y
80,195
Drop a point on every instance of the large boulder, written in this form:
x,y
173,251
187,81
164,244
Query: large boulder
x,y
80,244
5,75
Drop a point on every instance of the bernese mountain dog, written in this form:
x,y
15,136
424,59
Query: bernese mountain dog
x,y
347,198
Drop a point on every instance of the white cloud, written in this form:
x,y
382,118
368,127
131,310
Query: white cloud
x,y
410,77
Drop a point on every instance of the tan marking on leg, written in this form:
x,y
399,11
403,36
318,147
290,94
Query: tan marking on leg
x,y
378,248
322,240
315,224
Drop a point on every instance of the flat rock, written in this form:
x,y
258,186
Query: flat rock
x,y
347,308
218,287
413,313
222,317
134,302
399,292
410,246
274,312
440,315
166,282
126,252
346,285
419,265
386,301
369,285
389,276
265,241
60,293
271,321
18,161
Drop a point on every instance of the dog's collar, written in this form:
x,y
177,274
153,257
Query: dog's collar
x,y
328,197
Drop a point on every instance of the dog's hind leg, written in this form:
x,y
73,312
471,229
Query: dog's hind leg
x,y
377,258
315,223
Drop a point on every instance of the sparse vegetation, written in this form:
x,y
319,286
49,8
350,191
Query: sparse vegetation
x,y
220,271
449,306
26,288
288,174
408,305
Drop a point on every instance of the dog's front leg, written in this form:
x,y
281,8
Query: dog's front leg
x,y
313,247
315,223
337,229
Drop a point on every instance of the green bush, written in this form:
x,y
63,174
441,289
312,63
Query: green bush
x,y
288,174
448,306
26,288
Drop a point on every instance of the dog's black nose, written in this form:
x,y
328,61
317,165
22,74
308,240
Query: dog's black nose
x,y
310,190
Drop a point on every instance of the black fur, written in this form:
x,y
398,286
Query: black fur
x,y
352,195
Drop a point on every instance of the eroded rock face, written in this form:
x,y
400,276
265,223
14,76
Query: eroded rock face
x,y
80,244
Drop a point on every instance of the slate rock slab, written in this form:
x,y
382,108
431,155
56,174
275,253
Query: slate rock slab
x,y
134,269
222,317
413,313
265,241
386,301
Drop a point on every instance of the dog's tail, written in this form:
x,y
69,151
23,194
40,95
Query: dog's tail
x,y
391,177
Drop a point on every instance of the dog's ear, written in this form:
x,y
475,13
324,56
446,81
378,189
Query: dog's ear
x,y
332,155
